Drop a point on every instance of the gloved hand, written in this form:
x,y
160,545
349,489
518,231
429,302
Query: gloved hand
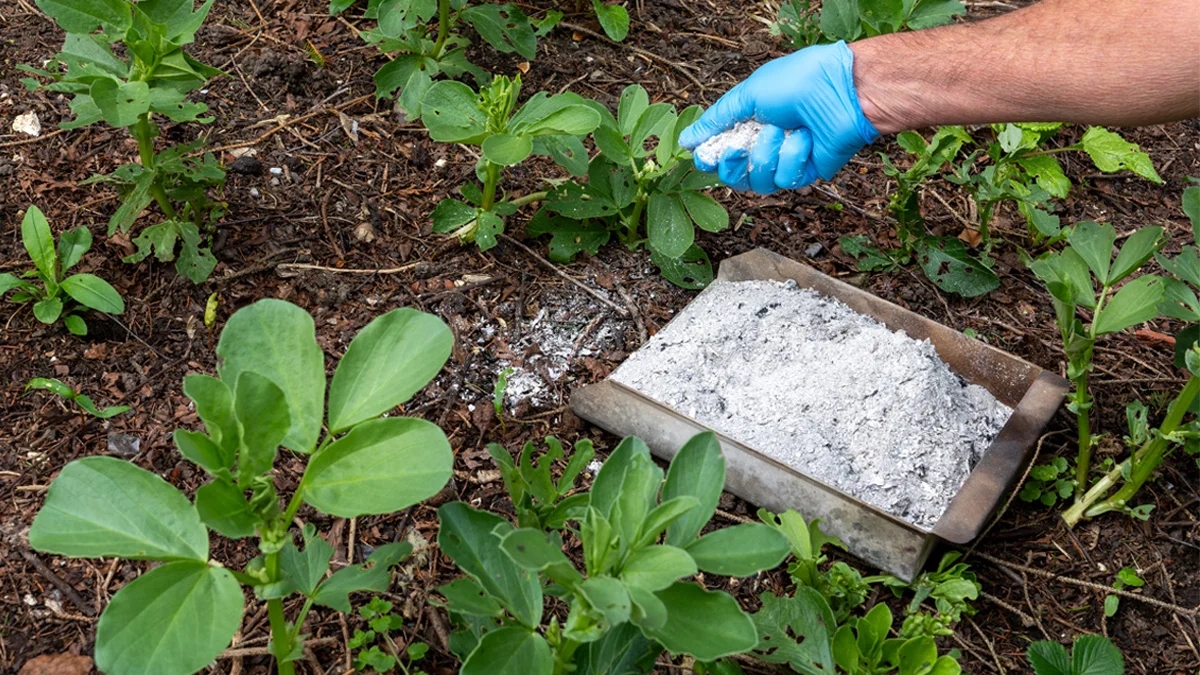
x,y
814,123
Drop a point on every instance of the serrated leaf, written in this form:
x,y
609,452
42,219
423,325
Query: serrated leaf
x,y
1096,655
948,264
1110,152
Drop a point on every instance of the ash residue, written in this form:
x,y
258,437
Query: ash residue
x,y
835,394
742,136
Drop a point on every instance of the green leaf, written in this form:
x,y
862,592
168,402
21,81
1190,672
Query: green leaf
x,y
655,120
39,244
1191,208
277,340
668,227
48,310
507,149
85,16
705,211
214,407
1049,658
566,151
387,362
1045,168
1110,152
72,244
606,487
661,517
103,507
451,214
840,20
174,620
93,292
450,111
614,19
608,597
697,470
373,575
305,569
52,385
464,596
381,466
1096,655
223,507
262,409
470,538
633,102
504,27
1186,265
692,270
796,631
201,450
569,237
706,624
536,550
883,16
1111,604
623,650
120,103
1136,302
488,226
1094,243
948,265
654,568
194,262
510,651
931,13
1136,250
741,550
917,655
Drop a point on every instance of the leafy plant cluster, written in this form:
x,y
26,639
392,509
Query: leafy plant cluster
x,y
850,20
58,296
1126,578
382,622
270,392
1086,277
1016,165
153,75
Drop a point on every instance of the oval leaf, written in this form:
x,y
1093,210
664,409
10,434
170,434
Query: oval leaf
x,y
72,244
655,567
510,651
1094,243
93,292
48,310
277,340
697,470
103,507
223,507
705,211
466,535
450,111
741,550
263,411
1136,250
705,624
172,620
507,149
1136,302
381,466
39,242
668,226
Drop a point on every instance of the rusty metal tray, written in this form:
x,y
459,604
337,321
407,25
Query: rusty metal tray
x,y
876,537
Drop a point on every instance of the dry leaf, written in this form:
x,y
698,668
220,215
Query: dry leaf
x,y
57,664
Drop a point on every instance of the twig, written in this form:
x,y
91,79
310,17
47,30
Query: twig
x,y
1026,620
287,123
620,310
734,517
682,68
287,270
35,139
61,585
460,289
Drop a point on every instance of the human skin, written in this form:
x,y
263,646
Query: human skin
x,y
1105,62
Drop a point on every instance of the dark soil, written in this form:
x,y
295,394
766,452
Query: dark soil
x,y
361,204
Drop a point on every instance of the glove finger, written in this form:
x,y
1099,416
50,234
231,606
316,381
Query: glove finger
x,y
764,158
735,106
733,169
795,169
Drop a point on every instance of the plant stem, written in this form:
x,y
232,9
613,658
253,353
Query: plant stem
x,y
281,638
143,131
443,28
1084,460
492,173
1051,151
564,655
529,199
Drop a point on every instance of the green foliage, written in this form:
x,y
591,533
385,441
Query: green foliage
x,y
83,401
1048,483
850,20
59,297
950,587
178,617
630,601
369,656
614,19
842,587
645,195
498,391
1090,655
541,503
1126,578
149,75
545,125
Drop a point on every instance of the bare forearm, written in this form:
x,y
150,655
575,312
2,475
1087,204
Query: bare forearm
x,y
1114,62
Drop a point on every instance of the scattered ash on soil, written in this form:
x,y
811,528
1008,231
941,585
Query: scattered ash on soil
x,y
834,393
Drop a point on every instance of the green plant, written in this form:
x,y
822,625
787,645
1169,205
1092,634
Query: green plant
x,y
498,391
1090,655
841,585
1048,483
951,587
850,20
270,391
59,296
544,125
632,189
613,18
154,77
1178,301
1126,578
382,622
630,601
404,28
68,394
541,503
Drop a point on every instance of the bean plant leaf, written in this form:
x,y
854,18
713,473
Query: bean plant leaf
x,y
741,550
85,16
387,362
1136,302
39,244
174,620
1110,152
948,264
305,569
510,651
277,340
103,507
373,575
621,651
93,292
654,568
706,624
450,110
223,507
1094,243
931,13
451,214
633,102
535,550
202,451
706,212
606,487
697,470
840,20
262,409
504,27
72,244
570,120
569,237
1136,250
507,149
381,466
614,19
470,538
1186,265
1046,169
692,270
465,596
1049,658
1191,208
796,630
214,407
668,226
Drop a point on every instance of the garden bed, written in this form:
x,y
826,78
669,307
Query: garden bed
x,y
345,208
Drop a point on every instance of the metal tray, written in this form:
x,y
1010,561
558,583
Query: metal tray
x,y
878,538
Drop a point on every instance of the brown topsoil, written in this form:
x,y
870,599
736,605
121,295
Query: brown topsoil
x,y
335,188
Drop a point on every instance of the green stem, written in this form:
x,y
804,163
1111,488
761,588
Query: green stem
x,y
308,603
529,199
985,220
1051,151
1084,460
281,637
443,28
564,655
143,131
492,173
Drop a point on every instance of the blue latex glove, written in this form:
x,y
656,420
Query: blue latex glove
x,y
814,121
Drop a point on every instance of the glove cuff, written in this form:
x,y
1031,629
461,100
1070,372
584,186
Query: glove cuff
x,y
865,129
